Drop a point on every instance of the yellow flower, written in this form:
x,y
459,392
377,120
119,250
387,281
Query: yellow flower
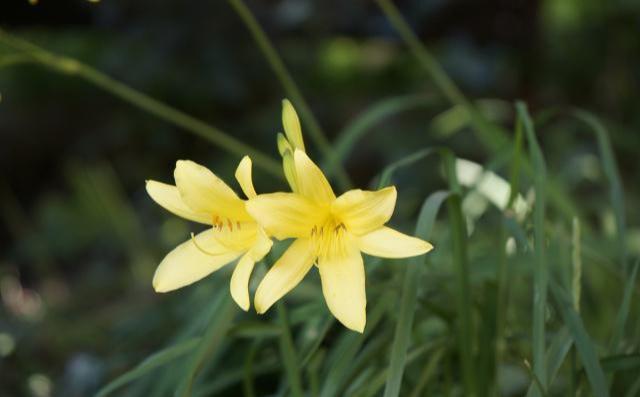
x,y
202,197
330,232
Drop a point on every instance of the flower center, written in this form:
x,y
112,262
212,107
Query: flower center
x,y
329,238
220,223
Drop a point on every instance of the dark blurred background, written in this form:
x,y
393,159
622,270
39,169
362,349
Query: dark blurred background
x,y
80,239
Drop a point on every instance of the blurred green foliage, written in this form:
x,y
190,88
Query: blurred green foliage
x,y
80,239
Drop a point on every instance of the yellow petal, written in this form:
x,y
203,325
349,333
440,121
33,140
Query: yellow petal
x,y
262,245
285,274
343,286
241,274
243,176
239,285
291,125
285,215
236,236
187,263
363,211
169,198
204,192
283,144
289,168
310,180
388,243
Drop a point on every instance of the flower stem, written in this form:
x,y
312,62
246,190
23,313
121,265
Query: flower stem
x,y
291,88
489,134
73,67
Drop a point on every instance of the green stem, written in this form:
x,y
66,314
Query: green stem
x,y
290,86
488,133
72,67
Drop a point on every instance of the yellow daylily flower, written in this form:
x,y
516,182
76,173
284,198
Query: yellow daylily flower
x,y
200,196
331,233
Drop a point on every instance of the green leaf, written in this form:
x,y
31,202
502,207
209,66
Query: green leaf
x,y
622,362
363,123
255,330
154,361
346,348
288,352
211,341
413,275
540,271
556,354
582,341
610,168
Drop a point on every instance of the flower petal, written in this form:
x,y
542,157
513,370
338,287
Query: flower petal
x,y
285,274
343,286
285,215
289,167
239,285
283,144
204,192
291,125
262,245
363,211
241,274
169,198
236,236
310,180
243,176
389,243
188,262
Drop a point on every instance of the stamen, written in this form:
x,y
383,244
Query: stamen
x,y
193,238
238,224
230,224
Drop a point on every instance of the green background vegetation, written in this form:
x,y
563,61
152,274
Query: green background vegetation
x,y
99,97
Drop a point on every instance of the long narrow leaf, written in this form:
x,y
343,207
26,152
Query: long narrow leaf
x,y
363,123
540,272
582,341
407,308
288,353
156,360
210,342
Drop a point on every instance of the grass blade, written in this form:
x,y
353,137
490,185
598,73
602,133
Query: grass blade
x,y
556,354
363,123
621,362
156,360
288,353
625,306
610,168
428,372
72,67
290,86
347,348
540,272
407,307
489,134
582,342
210,342
463,293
